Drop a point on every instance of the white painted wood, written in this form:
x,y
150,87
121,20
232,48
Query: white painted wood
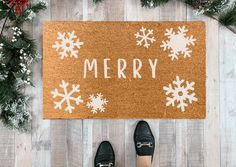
x,y
180,143
195,143
58,128
88,143
58,143
130,156
74,141
195,128
227,97
23,155
41,141
116,135
7,147
212,122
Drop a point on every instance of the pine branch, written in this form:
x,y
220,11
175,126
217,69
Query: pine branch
x,y
210,8
30,13
17,52
216,7
3,6
36,8
97,1
4,23
218,10
228,18
153,3
14,114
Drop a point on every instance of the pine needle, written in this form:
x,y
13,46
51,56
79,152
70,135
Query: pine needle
x,y
97,1
228,18
153,3
211,9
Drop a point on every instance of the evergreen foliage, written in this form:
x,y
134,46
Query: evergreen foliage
x,y
17,53
228,18
152,3
220,10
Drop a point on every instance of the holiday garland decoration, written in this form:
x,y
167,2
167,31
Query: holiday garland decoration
x,y
17,53
220,10
153,3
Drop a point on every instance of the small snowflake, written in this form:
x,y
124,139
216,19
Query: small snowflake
x,y
67,44
97,103
178,43
180,94
67,96
144,38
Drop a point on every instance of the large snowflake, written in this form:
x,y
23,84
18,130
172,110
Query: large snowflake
x,y
66,97
97,103
67,45
144,39
178,43
182,93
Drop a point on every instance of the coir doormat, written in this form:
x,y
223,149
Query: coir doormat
x,y
124,70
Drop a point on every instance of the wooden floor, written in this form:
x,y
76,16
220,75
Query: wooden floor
x,y
180,143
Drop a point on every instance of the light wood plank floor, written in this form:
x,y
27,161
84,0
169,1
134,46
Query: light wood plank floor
x,y
180,143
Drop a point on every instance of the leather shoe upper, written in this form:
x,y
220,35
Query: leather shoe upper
x,y
105,156
144,139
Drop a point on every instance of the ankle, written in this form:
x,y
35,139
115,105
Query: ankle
x,y
144,161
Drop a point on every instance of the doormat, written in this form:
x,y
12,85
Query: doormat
x,y
124,70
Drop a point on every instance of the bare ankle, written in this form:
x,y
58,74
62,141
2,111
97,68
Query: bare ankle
x,y
144,161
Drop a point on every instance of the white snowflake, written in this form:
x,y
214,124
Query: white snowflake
x,y
67,96
97,103
144,38
180,94
67,45
178,43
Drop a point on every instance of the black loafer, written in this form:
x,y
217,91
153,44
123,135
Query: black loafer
x,y
105,156
144,139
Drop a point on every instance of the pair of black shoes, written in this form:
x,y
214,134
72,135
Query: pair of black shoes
x,y
144,144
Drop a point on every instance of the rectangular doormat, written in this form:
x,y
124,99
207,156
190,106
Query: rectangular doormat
x,y
124,70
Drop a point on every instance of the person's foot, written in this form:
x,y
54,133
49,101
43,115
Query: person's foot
x,y
105,156
144,139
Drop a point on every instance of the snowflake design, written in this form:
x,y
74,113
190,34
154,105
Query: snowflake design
x,y
144,38
66,97
97,103
178,43
67,44
180,94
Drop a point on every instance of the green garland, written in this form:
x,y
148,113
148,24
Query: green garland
x,y
17,53
228,18
153,3
220,10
